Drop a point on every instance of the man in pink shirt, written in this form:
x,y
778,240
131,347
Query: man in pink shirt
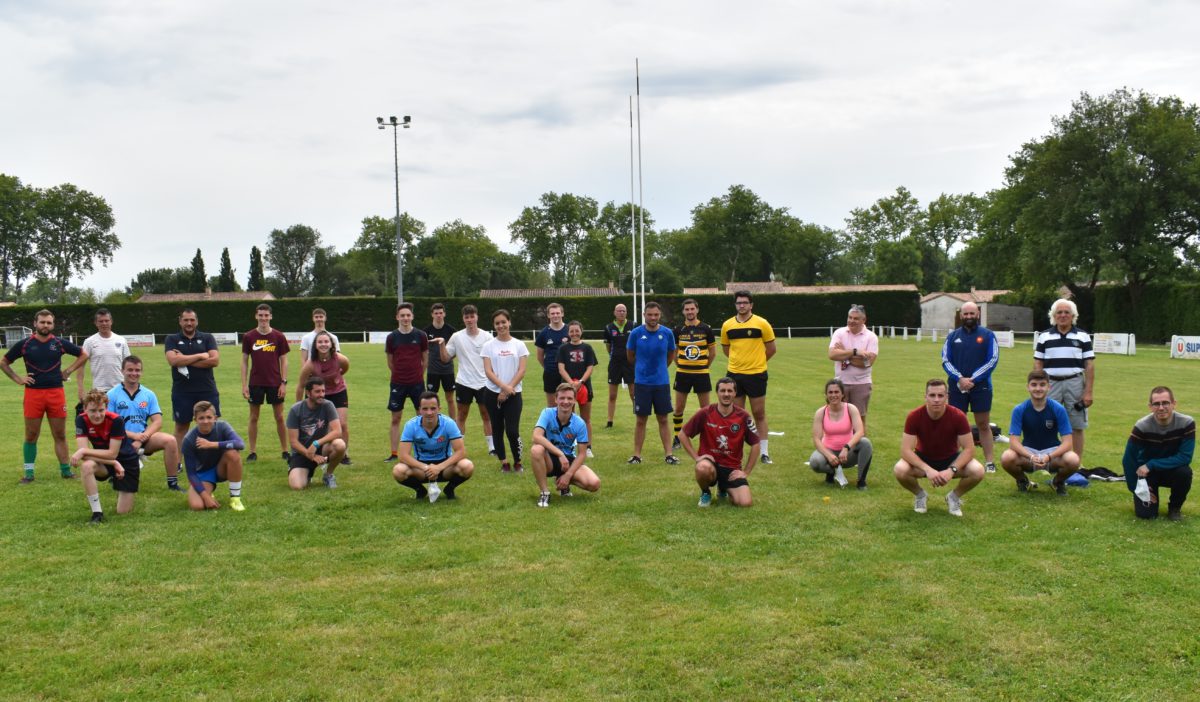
x,y
853,349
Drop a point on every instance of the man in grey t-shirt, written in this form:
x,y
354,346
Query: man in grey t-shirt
x,y
315,435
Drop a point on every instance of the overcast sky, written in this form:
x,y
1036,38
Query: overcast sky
x,y
209,124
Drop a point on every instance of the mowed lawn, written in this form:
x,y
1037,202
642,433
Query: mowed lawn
x,y
364,593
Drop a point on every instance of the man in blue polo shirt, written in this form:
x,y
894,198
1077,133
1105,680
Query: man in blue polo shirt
x,y
138,406
1040,437
560,442
192,355
432,450
651,350
969,356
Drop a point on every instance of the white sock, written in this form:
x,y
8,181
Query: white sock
x,y
235,488
94,501
491,442
762,447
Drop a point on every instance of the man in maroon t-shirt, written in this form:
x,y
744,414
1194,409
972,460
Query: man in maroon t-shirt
x,y
937,444
407,352
264,376
724,429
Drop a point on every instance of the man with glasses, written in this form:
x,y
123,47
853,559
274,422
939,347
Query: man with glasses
x,y
1065,352
1160,450
749,342
853,350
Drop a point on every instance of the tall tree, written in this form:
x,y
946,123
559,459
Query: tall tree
x,y
373,256
734,232
199,278
553,233
161,281
890,219
226,280
805,254
18,227
290,254
607,252
455,242
255,281
74,232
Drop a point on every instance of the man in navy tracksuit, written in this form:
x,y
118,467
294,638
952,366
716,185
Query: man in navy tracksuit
x,y
969,357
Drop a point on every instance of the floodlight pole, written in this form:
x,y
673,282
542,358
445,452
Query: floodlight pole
x,y
396,125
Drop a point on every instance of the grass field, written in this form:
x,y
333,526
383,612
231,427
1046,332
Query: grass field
x,y
364,593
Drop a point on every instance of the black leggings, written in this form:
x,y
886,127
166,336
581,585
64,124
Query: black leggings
x,y
506,421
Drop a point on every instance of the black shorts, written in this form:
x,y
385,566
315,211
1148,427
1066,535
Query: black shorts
x,y
750,384
132,479
551,380
557,466
298,461
619,371
938,464
401,392
265,394
339,399
465,395
724,484
436,381
183,404
698,383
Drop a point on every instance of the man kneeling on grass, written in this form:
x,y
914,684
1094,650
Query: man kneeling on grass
x,y
937,444
210,456
1160,449
1039,437
315,436
432,450
560,443
724,428
104,453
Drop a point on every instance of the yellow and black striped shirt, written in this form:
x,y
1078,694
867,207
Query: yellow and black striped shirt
x,y
693,344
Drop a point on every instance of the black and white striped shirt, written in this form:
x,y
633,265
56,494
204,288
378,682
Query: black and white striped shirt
x,y
1063,355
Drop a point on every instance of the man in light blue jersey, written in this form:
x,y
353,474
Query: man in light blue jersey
x,y
432,450
560,442
138,406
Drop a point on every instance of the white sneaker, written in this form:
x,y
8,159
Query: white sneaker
x,y
954,503
589,453
434,492
839,476
544,500
919,502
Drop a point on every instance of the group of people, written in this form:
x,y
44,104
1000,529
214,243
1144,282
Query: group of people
x,y
119,421
1046,430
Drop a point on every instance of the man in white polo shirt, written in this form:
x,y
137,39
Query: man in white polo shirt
x,y
106,351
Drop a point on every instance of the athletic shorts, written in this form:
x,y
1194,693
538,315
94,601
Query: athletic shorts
x,y
551,380
1050,467
209,475
619,371
183,404
298,461
724,484
750,384
265,394
401,392
436,381
339,399
698,383
557,466
938,464
132,479
49,402
465,395
651,399
978,399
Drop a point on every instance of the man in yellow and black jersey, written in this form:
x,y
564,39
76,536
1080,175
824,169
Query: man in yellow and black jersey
x,y
749,342
696,347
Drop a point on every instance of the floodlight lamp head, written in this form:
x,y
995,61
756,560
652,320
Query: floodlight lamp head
x,y
392,119
407,121
379,120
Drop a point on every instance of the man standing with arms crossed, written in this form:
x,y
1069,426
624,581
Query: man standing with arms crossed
x,y
105,351
549,340
407,352
1065,352
651,350
616,338
969,356
264,356
138,406
192,356
440,373
696,346
44,394
466,345
749,342
853,350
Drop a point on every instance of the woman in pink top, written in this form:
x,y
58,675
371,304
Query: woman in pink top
x,y
837,434
331,365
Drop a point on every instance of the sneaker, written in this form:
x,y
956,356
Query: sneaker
x,y
69,476
491,452
829,478
391,459
705,499
1175,515
97,518
434,492
251,457
671,459
634,460
861,486
919,502
25,481
839,477
448,494
566,493
346,461
989,467
954,503
608,425
722,495
589,453
518,468
1060,488
330,481
765,460
235,504
505,467
675,445
544,500
1023,485
141,459
285,455
176,487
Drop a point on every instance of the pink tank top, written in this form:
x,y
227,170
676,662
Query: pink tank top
x,y
331,372
837,433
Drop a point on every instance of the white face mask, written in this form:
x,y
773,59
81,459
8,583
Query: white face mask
x,y
1143,492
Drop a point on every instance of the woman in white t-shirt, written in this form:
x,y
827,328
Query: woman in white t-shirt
x,y
504,360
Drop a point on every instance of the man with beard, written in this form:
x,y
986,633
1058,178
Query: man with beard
x,y
969,356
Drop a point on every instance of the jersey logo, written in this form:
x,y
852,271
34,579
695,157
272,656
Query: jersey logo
x,y
979,339
723,442
1049,423
265,345
733,428
691,353
958,341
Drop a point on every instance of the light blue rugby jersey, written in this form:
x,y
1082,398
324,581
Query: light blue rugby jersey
x,y
137,409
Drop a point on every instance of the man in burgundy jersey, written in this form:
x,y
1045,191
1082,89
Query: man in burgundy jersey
x,y
937,445
724,429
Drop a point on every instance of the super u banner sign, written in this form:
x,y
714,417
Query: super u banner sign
x,y
1185,347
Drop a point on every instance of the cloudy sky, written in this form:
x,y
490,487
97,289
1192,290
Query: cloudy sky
x,y
208,124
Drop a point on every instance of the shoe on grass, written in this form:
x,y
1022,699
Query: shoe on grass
x,y
765,460
1060,488
391,459
330,481
544,500
25,480
634,460
705,499
251,457
1175,515
954,503
97,518
671,459
919,501
989,467
235,504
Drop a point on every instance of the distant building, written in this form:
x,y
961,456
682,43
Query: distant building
x,y
939,310
779,288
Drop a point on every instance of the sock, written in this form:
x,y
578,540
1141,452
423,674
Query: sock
x,y
415,484
707,491
29,471
29,449
235,488
94,501
608,424
452,483
677,420
491,442
762,447
64,468
172,481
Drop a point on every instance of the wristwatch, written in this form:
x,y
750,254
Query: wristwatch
x,y
954,469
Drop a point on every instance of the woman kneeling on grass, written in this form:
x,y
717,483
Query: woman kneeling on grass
x,y
837,434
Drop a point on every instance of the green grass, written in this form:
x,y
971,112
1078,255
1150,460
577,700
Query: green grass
x,y
365,593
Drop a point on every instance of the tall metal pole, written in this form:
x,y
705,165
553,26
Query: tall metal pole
x,y
399,239
641,199
633,264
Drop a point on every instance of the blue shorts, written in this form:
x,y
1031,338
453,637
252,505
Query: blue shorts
x,y
979,399
183,404
209,475
651,397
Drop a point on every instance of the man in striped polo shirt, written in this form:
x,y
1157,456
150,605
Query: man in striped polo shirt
x,y
1065,352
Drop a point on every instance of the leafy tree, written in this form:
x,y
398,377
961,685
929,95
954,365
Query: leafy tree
x,y
452,244
330,276
805,254
373,256
889,219
734,232
226,281
607,251
198,279
553,234
290,255
255,280
663,278
18,227
161,281
44,291
74,232
897,262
